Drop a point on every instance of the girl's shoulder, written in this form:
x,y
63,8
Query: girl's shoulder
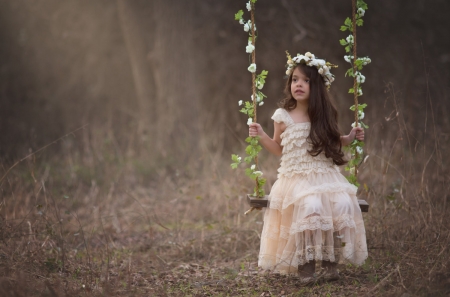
x,y
282,116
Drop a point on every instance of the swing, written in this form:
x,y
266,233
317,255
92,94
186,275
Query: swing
x,y
258,202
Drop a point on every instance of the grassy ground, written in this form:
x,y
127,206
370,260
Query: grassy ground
x,y
85,223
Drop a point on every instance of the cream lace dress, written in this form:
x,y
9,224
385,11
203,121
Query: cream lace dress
x,y
313,212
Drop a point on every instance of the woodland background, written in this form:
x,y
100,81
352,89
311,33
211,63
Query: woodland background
x,y
138,198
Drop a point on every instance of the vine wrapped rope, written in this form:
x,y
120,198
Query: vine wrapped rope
x,y
355,83
252,17
358,10
249,108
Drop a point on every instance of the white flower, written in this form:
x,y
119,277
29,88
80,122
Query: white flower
x,y
259,85
363,78
253,167
320,71
239,159
320,62
359,150
361,11
258,98
241,21
360,92
252,68
325,68
289,71
313,62
360,115
309,55
350,39
247,26
258,173
354,124
240,102
249,121
348,58
261,103
327,83
249,48
249,6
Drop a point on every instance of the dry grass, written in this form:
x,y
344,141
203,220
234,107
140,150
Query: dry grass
x,y
92,221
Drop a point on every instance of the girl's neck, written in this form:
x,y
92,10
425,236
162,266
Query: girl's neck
x,y
301,108
300,112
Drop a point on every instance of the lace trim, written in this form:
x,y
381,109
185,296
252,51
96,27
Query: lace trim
x,y
296,132
285,232
312,223
280,203
317,252
294,145
302,155
280,115
305,169
344,221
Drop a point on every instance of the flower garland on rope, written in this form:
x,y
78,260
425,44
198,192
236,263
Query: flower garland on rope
x,y
359,8
249,107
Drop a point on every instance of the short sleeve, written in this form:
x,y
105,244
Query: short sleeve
x,y
279,116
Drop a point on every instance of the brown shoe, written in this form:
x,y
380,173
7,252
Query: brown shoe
x,y
306,273
330,271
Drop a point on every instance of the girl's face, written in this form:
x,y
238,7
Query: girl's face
x,y
300,86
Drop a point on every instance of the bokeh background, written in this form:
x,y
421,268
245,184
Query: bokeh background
x,y
135,102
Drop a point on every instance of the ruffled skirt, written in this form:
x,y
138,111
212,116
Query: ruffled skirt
x,y
312,217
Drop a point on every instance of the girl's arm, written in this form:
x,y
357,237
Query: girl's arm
x,y
273,145
356,132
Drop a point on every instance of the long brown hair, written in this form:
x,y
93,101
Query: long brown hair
x,y
324,134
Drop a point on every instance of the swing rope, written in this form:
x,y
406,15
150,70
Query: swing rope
x,y
252,17
355,83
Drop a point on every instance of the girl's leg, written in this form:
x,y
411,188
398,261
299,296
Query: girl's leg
x,y
330,273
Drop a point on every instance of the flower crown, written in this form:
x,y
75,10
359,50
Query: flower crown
x,y
310,60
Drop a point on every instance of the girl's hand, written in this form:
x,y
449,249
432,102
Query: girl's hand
x,y
356,133
255,129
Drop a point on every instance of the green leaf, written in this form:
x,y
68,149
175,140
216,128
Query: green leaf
x,y
349,72
361,4
344,28
359,22
343,42
362,106
351,91
348,22
243,110
347,49
264,73
234,165
261,181
248,159
238,15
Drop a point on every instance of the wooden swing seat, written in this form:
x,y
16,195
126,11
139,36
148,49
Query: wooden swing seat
x,y
257,202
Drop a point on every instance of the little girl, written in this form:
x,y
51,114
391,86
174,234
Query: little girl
x,y
313,213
